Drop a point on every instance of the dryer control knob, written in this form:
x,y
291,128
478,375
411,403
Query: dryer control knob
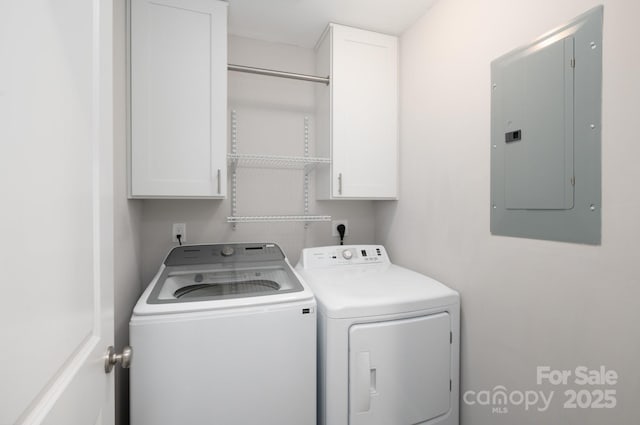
x,y
346,254
227,251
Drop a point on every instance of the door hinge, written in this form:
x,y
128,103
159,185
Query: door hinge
x,y
572,62
450,385
573,181
450,337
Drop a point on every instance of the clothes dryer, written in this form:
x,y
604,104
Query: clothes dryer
x,y
388,340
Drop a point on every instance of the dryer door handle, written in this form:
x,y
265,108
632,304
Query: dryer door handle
x,y
364,384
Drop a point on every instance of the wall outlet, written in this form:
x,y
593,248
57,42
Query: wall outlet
x,y
334,227
179,229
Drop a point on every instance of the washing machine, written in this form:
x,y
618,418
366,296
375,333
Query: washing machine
x,y
388,340
224,334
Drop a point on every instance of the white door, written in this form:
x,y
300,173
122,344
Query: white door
x,y
56,223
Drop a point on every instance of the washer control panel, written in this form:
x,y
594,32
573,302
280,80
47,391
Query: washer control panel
x,y
339,255
186,255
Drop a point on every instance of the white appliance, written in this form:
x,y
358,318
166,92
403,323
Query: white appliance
x,y
224,334
388,340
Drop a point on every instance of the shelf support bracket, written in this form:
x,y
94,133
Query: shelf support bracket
x,y
234,174
306,170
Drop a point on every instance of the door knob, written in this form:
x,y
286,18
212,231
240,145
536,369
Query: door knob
x,y
111,358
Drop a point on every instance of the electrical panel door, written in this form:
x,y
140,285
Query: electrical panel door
x,y
537,116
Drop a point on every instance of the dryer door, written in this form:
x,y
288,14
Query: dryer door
x,y
399,370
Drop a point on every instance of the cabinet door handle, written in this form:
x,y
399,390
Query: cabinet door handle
x,y
219,182
339,183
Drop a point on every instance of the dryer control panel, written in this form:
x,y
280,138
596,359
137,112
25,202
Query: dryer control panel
x,y
343,255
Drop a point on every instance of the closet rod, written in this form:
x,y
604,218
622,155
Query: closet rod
x,y
274,73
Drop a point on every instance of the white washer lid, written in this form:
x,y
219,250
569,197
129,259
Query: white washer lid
x,y
375,289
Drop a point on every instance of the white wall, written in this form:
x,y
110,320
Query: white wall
x,y
127,215
271,115
525,303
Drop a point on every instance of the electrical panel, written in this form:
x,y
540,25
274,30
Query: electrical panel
x,y
545,135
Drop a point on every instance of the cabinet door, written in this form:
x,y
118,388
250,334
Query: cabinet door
x,y
364,114
178,98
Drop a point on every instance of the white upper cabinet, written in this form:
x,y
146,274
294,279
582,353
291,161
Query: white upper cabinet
x,y
358,114
178,98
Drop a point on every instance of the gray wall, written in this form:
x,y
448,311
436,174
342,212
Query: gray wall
x,y
271,115
127,216
525,303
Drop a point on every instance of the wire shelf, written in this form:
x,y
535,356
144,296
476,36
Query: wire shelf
x,y
275,161
306,163
278,218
